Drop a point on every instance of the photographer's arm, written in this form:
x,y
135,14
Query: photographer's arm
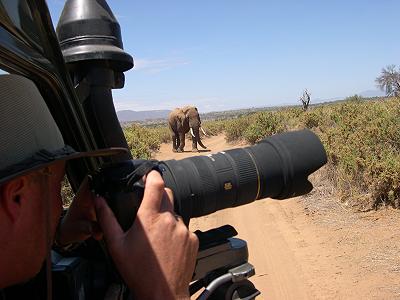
x,y
157,255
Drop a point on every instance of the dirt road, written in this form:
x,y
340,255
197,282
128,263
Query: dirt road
x,y
312,247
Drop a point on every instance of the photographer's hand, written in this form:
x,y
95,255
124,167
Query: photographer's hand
x,y
157,255
80,222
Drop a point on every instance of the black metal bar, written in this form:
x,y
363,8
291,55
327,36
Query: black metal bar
x,y
90,39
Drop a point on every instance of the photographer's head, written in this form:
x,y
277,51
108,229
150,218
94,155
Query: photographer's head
x,y
32,166
30,207
32,163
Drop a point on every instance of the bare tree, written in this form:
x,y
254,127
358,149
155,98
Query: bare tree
x,y
389,81
305,99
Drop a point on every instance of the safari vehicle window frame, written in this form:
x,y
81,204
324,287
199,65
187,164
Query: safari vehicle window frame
x,y
43,63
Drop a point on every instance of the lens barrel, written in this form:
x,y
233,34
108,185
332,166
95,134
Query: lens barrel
x,y
277,167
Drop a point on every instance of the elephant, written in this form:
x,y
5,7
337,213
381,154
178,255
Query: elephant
x,y
181,121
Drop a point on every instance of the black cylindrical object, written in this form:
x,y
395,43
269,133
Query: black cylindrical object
x,y
88,30
277,167
91,43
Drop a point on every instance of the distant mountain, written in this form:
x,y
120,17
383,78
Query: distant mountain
x,y
364,94
372,93
131,115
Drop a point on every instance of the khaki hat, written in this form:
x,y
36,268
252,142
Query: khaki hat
x,y
29,136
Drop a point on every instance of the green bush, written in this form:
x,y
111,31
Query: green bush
x,y
161,132
214,127
311,119
142,141
263,124
235,128
363,146
354,98
67,194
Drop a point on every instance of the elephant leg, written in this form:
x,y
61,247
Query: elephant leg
x,y
181,142
174,143
194,145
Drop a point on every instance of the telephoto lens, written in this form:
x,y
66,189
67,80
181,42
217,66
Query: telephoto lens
x,y
277,167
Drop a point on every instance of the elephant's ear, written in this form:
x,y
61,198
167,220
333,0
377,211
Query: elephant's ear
x,y
185,109
182,117
186,113
188,110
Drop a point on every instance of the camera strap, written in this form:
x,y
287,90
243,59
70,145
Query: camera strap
x,y
144,168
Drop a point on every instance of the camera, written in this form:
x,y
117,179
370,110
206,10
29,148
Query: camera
x,y
277,167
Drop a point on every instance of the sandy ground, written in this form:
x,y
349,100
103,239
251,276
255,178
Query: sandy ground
x,y
312,247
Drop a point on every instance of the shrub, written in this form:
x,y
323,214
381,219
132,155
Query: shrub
x,y
235,128
214,127
67,194
311,119
142,141
354,98
263,124
161,132
363,146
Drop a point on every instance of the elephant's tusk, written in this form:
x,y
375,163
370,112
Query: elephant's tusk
x,y
191,131
203,131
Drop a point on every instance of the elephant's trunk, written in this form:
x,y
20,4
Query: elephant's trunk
x,y
196,135
200,143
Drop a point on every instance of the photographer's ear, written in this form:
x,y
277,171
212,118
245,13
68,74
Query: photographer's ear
x,y
12,194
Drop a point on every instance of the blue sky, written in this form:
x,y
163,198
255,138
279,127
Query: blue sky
x,y
226,54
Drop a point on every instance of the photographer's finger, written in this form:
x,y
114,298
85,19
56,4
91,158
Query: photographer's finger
x,y
153,192
97,233
108,223
167,203
74,232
